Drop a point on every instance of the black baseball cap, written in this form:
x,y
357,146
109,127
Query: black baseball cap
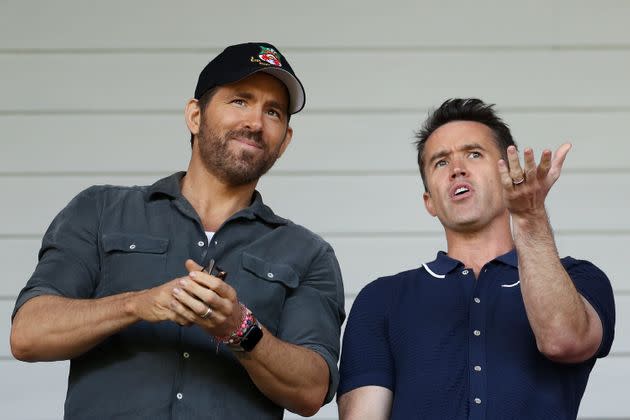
x,y
236,62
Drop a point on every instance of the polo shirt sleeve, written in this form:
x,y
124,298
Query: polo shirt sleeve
x,y
366,358
314,311
68,259
593,284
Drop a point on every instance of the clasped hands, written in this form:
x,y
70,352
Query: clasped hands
x,y
198,298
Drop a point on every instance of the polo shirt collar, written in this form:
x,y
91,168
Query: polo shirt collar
x,y
443,264
511,258
171,187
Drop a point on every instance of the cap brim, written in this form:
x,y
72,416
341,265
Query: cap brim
x,y
297,97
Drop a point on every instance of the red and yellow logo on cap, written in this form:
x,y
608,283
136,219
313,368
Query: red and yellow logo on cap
x,y
268,56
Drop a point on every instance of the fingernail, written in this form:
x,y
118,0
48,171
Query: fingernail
x,y
183,282
177,290
192,274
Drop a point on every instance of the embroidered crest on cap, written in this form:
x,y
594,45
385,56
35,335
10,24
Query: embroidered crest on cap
x,y
269,55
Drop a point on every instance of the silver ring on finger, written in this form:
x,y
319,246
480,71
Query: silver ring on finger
x,y
518,181
206,314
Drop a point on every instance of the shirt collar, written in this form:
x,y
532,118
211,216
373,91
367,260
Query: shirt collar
x,y
443,264
171,187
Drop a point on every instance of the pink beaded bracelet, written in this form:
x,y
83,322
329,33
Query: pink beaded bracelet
x,y
235,337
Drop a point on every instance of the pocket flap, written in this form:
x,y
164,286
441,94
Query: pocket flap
x,y
280,273
129,242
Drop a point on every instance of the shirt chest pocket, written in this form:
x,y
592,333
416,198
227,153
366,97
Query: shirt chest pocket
x,y
132,262
264,286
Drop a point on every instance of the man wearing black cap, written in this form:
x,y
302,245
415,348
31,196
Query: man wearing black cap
x,y
190,298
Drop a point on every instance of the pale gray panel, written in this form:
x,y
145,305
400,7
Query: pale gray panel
x,y
210,24
607,390
18,258
585,22
33,391
322,142
325,204
90,143
349,80
6,307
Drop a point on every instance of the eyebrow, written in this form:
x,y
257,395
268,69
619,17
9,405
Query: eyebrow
x,y
271,103
465,147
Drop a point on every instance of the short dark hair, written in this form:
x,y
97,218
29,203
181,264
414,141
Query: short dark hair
x,y
463,109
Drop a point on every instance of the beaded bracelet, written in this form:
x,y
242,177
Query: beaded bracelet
x,y
235,337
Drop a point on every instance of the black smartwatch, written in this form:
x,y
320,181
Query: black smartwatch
x,y
251,337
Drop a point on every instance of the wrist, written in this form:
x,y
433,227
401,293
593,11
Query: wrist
x,y
247,334
130,304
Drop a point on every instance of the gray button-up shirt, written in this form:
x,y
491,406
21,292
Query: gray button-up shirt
x,y
110,240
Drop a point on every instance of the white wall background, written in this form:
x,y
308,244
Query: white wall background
x,y
93,92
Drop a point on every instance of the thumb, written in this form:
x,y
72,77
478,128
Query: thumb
x,y
192,266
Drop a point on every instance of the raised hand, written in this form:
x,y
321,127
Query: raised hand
x,y
525,189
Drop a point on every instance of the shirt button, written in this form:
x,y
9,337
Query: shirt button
x,y
179,396
270,275
477,333
465,272
186,355
132,246
477,300
200,243
216,242
477,400
477,368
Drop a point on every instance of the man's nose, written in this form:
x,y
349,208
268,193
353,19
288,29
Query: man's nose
x,y
458,168
254,119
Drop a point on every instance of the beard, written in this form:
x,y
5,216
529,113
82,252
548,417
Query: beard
x,y
239,167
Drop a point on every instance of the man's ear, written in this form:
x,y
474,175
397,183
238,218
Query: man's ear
x,y
428,203
287,139
192,113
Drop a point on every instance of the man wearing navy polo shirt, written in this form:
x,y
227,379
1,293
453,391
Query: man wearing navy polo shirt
x,y
497,327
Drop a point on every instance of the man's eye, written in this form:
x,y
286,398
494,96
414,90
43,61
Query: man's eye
x,y
474,155
440,163
273,113
238,102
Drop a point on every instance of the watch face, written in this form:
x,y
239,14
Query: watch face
x,y
252,337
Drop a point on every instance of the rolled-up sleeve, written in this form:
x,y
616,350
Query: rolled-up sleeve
x,y
68,259
314,311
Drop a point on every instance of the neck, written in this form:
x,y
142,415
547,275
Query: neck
x,y
476,248
213,200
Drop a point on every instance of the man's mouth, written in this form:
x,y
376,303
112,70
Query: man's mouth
x,y
248,142
461,191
